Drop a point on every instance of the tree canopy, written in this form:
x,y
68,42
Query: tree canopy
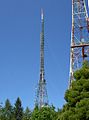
x,y
77,96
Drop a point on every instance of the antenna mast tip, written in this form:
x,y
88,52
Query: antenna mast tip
x,y
42,14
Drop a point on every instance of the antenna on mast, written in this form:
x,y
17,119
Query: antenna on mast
x,y
42,14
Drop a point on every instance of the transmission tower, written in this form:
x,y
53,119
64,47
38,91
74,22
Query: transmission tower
x,y
41,92
79,50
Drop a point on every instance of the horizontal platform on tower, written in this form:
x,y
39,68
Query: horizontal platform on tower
x,y
80,45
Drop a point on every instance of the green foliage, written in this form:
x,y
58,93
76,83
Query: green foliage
x,y
35,114
18,110
27,114
77,96
83,73
44,113
7,111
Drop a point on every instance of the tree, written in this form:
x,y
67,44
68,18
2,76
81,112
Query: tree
x,y
77,96
35,114
27,114
7,111
44,113
1,112
53,112
18,110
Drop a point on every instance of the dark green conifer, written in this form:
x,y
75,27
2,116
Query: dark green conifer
x,y
18,110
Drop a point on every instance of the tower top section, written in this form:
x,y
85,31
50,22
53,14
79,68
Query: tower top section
x,y
42,14
42,47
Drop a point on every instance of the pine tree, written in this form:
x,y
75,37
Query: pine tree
x,y
7,111
27,114
18,110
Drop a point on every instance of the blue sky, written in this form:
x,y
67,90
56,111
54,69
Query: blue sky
x,y
20,26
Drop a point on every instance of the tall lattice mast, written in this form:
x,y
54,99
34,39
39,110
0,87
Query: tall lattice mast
x,y
79,50
41,95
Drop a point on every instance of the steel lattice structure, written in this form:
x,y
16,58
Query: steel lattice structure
x,y
79,50
41,92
